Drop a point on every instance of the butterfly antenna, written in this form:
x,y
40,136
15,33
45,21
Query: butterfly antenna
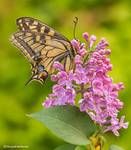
x,y
75,24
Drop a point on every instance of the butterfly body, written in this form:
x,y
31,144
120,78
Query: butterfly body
x,y
42,46
39,73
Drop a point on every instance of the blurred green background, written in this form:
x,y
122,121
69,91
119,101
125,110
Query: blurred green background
x,y
104,18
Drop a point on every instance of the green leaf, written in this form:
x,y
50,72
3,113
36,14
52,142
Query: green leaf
x,y
68,123
115,147
66,147
80,148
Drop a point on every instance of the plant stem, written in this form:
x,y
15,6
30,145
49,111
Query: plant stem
x,y
82,90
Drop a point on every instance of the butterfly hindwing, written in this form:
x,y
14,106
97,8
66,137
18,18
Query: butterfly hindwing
x,y
25,48
48,49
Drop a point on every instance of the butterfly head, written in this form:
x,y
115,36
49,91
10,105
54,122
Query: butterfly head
x,y
39,74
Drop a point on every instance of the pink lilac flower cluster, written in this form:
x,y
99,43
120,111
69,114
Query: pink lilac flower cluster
x,y
99,95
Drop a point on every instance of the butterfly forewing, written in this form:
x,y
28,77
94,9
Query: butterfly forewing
x,y
42,45
34,25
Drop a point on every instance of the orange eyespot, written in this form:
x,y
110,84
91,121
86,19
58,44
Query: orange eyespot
x,y
43,75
